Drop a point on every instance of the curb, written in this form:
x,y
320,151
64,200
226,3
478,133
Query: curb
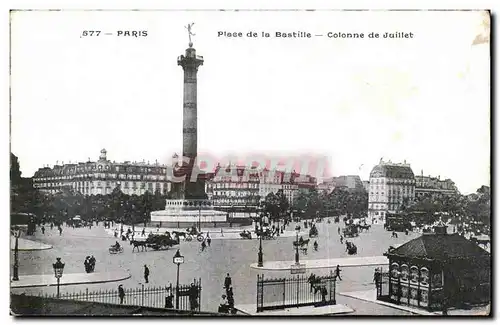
x,y
65,284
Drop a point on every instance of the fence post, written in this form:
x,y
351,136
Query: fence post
x,y
199,295
298,277
334,289
142,303
284,289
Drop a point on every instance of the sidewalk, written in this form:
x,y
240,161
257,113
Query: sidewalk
x,y
27,245
324,263
251,309
44,280
371,296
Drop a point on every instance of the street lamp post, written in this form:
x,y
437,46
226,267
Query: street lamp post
x,y
17,233
297,247
177,259
199,216
58,272
260,255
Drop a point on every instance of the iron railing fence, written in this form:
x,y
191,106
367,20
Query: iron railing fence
x,y
155,296
280,293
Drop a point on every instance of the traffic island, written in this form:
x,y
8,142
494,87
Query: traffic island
x,y
327,263
45,280
28,245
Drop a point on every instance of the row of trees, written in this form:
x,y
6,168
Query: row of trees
x,y
115,206
68,203
311,203
474,207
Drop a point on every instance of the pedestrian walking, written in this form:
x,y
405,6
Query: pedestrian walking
x,y
121,294
43,230
60,230
143,232
203,246
338,230
337,273
209,240
221,232
86,264
227,282
146,273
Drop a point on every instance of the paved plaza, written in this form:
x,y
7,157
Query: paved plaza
x,y
224,256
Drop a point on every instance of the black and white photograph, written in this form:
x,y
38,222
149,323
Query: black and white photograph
x,y
238,163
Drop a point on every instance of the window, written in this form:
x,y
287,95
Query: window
x,y
395,270
404,272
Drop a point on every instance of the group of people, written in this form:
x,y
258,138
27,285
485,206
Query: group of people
x,y
89,264
227,303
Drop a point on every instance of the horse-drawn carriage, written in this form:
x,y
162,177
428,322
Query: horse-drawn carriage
x,y
156,242
313,232
245,234
351,231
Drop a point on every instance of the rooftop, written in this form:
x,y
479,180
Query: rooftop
x,y
439,247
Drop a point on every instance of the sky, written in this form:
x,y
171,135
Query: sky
x,y
424,99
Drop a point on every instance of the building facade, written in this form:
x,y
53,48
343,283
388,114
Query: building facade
x,y
428,185
392,185
270,181
233,187
241,188
351,183
102,177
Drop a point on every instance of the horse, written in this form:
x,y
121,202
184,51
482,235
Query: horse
x,y
364,227
315,283
138,244
179,234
